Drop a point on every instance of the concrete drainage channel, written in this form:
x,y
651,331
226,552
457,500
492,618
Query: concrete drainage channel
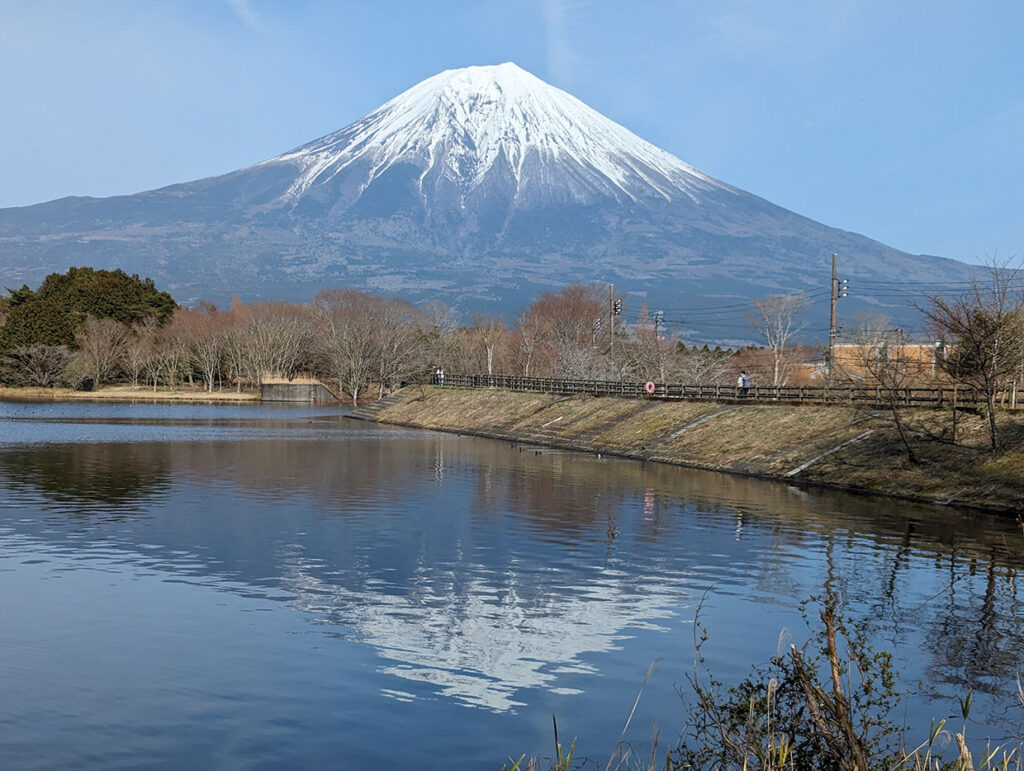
x,y
297,393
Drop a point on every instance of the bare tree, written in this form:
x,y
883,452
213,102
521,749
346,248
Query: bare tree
x,y
650,355
235,343
101,343
170,356
294,331
490,332
704,366
138,349
879,364
347,338
259,349
152,366
396,340
527,341
203,334
566,320
208,344
36,365
440,329
982,330
568,316
775,318
269,339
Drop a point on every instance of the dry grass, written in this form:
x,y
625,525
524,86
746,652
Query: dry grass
x,y
579,415
646,432
770,440
966,473
455,410
121,393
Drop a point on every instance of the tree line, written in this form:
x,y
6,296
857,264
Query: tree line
x,y
88,328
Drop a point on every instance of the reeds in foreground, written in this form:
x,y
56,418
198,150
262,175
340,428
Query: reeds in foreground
x,y
819,708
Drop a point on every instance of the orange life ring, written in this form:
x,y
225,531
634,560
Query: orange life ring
x,y
649,388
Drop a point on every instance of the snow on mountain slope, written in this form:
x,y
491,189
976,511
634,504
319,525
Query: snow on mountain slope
x,y
479,187
463,126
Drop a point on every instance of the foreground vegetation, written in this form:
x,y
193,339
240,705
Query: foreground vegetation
x,y
830,704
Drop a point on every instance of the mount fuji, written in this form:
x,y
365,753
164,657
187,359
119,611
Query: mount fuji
x,y
479,186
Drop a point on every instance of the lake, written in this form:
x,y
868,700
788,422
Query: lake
x,y
268,587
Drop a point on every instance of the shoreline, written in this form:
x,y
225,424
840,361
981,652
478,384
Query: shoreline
x,y
125,394
832,447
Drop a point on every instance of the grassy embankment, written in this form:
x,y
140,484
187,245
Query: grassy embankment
x,y
761,440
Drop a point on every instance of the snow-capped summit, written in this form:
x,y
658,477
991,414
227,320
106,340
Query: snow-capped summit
x,y
470,127
480,187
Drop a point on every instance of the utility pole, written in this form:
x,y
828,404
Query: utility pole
x,y
837,291
614,309
832,318
659,320
611,316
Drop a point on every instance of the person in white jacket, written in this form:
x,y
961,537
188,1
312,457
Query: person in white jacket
x,y
743,384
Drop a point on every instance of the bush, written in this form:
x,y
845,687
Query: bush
x,y
806,709
78,375
823,708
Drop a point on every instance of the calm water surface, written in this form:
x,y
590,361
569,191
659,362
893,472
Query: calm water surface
x,y
231,586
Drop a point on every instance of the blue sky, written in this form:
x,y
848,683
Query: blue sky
x,y
899,120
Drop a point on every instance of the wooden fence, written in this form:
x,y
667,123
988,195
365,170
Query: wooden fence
x,y
923,397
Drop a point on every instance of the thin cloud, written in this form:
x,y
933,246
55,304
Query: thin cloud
x,y
749,33
750,30
245,12
560,58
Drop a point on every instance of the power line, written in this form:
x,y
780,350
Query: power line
x,y
733,310
741,305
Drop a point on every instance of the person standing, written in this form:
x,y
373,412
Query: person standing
x,y
743,383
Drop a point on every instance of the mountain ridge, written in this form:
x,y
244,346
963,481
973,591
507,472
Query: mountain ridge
x,y
479,186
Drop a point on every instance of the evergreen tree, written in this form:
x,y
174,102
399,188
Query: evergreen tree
x,y
37,322
54,313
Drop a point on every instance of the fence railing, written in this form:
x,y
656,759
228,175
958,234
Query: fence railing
x,y
934,397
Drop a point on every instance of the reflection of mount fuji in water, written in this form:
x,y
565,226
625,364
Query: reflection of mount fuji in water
x,y
483,638
478,570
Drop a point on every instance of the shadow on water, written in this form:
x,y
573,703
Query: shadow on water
x,y
114,480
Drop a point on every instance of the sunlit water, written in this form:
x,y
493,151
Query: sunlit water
x,y
192,586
